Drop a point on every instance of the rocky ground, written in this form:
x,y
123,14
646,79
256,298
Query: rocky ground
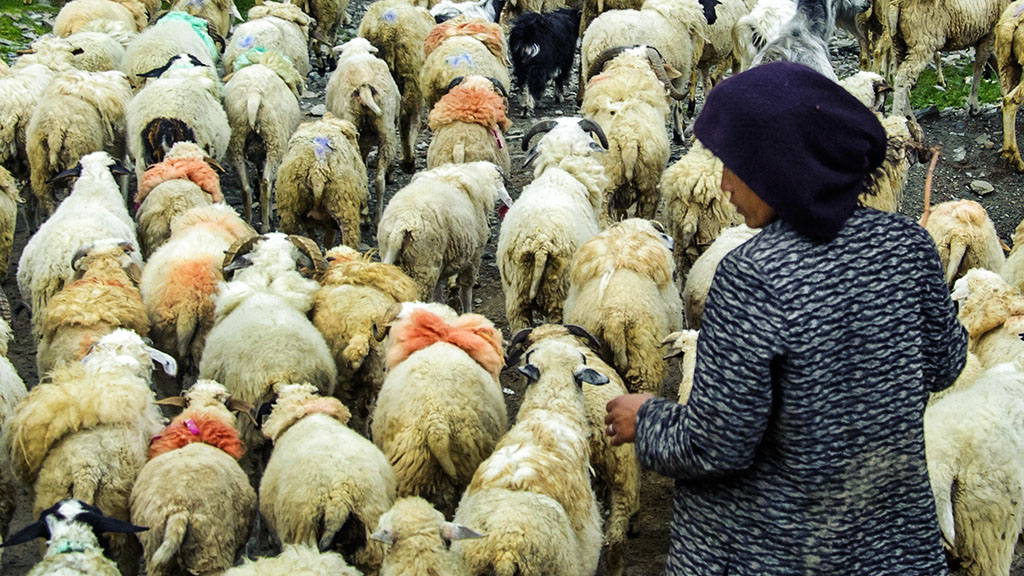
x,y
969,167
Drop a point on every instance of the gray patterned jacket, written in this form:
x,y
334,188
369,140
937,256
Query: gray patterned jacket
x,y
801,450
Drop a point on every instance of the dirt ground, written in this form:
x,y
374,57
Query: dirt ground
x,y
970,151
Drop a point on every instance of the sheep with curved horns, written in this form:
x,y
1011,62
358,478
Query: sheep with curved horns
x,y
469,124
418,539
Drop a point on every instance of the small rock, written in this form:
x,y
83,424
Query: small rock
x,y
363,247
981,140
959,154
477,301
981,188
308,95
318,110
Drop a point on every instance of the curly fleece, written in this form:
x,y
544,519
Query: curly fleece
x,y
198,171
470,104
473,333
193,427
487,32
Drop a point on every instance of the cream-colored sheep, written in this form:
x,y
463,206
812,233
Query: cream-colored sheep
x,y
102,298
965,237
262,104
419,537
532,498
398,29
440,410
77,14
616,470
276,26
515,8
437,226
468,125
327,16
623,292
594,8
20,91
719,54
219,13
192,494
683,344
362,91
1013,269
554,215
12,392
993,314
322,182
325,485
101,51
355,294
304,560
698,281
462,48
1010,56
158,44
9,200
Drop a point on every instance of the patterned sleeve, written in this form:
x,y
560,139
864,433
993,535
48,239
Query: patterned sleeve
x,y
945,339
719,429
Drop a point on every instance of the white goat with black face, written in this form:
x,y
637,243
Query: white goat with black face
x,y
804,39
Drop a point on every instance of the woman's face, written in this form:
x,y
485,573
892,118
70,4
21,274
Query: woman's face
x,y
755,212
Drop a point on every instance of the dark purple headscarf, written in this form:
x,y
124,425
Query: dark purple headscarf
x,y
801,142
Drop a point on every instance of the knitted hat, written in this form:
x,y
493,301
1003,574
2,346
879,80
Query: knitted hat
x,y
800,141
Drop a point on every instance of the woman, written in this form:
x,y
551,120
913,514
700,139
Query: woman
x,y
801,448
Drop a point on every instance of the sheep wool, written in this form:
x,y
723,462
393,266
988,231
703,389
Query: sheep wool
x,y
474,104
194,170
488,33
965,237
9,200
472,333
200,428
304,560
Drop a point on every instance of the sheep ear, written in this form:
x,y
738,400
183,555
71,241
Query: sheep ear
x,y
155,72
451,531
531,372
102,524
166,361
178,401
382,536
117,169
265,409
589,375
37,529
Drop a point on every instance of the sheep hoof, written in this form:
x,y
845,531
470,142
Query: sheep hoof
x,y
409,166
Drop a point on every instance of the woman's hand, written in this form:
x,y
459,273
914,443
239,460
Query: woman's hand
x,y
620,421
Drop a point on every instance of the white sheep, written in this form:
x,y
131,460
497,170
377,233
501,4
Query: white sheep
x,y
532,498
272,26
362,91
702,272
993,314
158,44
9,200
1013,269
101,51
753,31
79,113
1009,49
622,290
965,238
219,13
322,182
75,15
462,48
418,539
719,54
325,485
468,125
20,91
437,226
554,215
192,494
94,211
304,560
262,104
12,392
975,454
398,29
436,430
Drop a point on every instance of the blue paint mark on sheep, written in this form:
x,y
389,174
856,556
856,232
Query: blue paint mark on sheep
x,y
321,146
460,59
246,42
390,16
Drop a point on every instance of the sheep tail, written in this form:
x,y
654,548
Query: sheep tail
x,y
630,153
252,108
957,249
174,535
396,242
356,351
616,333
84,488
336,513
439,444
185,332
366,97
459,153
540,261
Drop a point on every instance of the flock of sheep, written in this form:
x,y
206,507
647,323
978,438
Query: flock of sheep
x,y
331,400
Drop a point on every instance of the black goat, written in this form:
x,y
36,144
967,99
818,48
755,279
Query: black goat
x,y
542,47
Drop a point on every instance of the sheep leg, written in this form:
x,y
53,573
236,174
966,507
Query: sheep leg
x,y
265,209
982,50
678,122
906,77
409,120
465,281
939,79
562,80
1010,150
243,179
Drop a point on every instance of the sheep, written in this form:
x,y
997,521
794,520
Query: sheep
x,y
159,44
698,280
322,181
9,200
594,8
93,211
75,15
73,530
435,430
683,344
325,485
398,30
102,298
553,216
12,392
261,335
965,237
976,468
468,125
696,209
991,311
184,179
355,292
754,31
628,100
513,9
485,10
20,91
219,13
180,279
101,51
532,497
272,26
327,16
80,112
305,560
621,290
1009,50
262,103
542,48
192,493
804,38
362,91
719,51
1013,269
462,48
182,104
676,28
436,226
419,537
616,470
922,28
83,434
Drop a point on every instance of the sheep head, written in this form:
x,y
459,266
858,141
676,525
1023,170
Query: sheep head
x,y
986,302
414,520
564,137
73,521
207,418
124,348
104,258
296,401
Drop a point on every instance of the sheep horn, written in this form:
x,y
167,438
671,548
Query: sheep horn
x,y
389,316
544,126
214,164
658,65
240,247
5,308
64,174
79,254
308,247
178,401
498,86
598,64
218,40
589,125
455,82
515,347
580,332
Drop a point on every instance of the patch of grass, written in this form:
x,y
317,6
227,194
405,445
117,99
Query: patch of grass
x,y
18,28
958,87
